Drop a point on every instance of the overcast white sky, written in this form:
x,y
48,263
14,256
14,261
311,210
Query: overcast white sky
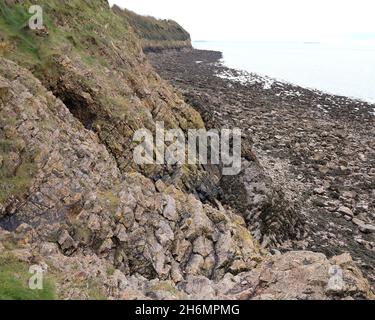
x,y
306,20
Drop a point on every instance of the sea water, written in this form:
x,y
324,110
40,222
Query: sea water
x,y
346,69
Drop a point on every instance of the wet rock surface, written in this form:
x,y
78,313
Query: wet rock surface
x,y
319,149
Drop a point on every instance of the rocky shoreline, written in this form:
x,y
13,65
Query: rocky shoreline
x,y
319,149
77,208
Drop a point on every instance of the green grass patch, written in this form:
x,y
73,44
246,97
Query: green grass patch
x,y
14,278
166,286
111,198
14,28
94,291
14,181
154,29
17,166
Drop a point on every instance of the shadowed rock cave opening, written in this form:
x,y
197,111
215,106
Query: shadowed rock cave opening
x,y
79,107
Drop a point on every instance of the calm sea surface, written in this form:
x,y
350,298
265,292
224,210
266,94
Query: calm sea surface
x,y
344,69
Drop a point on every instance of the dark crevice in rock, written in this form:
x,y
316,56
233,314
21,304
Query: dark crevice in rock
x,y
79,107
83,107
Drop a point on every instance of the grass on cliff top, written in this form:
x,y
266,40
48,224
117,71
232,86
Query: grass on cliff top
x,y
82,27
87,28
14,278
14,31
150,28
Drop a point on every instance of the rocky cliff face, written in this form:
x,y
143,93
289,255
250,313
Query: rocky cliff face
x,y
72,200
156,35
